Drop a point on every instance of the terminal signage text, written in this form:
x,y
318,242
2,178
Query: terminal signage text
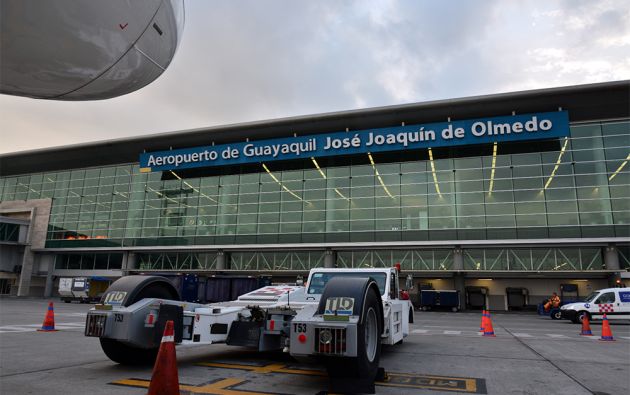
x,y
466,132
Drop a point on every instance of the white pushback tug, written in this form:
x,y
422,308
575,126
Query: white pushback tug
x,y
341,316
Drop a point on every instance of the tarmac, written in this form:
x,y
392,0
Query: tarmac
x,y
444,354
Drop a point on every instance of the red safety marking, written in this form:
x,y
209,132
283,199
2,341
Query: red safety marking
x,y
123,26
272,324
606,308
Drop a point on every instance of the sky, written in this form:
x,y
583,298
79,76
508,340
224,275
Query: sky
x,y
241,61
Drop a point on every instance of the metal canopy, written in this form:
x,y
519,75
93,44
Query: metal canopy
x,y
587,242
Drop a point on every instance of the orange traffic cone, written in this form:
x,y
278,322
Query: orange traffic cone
x,y
586,327
49,320
483,320
488,330
607,335
165,380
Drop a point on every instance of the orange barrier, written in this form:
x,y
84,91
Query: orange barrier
x,y
488,330
586,327
49,320
607,335
165,380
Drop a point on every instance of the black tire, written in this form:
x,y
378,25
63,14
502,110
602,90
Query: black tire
x,y
411,315
556,314
125,354
365,364
424,308
580,316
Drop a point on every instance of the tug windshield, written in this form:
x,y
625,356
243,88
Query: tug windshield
x,y
319,280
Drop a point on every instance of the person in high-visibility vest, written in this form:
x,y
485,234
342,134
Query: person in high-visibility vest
x,y
553,302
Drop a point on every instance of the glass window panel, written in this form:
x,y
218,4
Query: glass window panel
x,y
268,223
594,205
620,204
314,221
291,222
388,169
585,131
616,128
358,171
530,214
441,199
292,175
115,261
388,219
247,223
251,178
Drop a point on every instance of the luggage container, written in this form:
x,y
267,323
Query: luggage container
x,y
439,299
88,289
186,284
225,288
189,287
65,289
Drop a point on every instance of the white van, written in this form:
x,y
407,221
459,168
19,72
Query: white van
x,y
615,302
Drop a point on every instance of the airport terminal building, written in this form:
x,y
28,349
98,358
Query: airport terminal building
x,y
527,189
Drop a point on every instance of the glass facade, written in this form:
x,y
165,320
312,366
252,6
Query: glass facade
x,y
581,190
88,261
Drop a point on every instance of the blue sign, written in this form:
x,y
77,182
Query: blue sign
x,y
624,296
467,132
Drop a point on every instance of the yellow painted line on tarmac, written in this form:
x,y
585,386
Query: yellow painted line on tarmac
x,y
220,387
442,383
270,368
401,380
227,386
307,372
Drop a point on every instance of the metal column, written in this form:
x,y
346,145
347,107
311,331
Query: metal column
x,y
330,259
458,277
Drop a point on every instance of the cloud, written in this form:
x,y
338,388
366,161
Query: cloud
x,y
253,60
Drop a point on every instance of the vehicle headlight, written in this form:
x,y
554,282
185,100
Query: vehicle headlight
x,y
325,336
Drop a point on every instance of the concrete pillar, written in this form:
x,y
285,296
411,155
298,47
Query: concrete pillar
x,y
458,259
611,258
130,262
222,261
458,276
38,211
48,290
611,262
330,259
23,235
459,283
24,283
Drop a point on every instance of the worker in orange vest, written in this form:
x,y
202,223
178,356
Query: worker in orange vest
x,y
553,302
